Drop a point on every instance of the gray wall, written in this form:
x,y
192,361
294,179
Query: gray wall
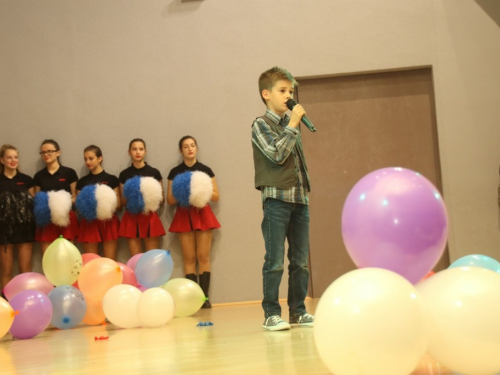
x,y
107,71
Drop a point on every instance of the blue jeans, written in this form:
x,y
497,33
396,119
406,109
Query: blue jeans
x,y
291,221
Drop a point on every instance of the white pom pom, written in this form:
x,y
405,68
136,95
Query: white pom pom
x,y
106,202
60,206
201,189
152,194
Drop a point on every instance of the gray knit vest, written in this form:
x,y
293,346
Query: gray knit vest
x,y
268,173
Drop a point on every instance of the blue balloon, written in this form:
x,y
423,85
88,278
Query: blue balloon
x,y
69,306
477,260
154,268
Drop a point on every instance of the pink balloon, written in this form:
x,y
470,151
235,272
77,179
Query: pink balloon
x,y
133,261
141,288
128,275
394,218
34,311
87,257
27,281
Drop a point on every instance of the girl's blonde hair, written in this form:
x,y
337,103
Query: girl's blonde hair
x,y
3,150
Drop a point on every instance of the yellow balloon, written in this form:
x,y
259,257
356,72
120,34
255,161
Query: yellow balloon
x,y
6,316
188,296
62,262
370,321
464,317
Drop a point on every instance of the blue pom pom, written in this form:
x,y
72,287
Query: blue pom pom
x,y
86,203
181,188
41,209
132,192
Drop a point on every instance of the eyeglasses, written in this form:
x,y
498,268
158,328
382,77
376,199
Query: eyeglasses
x,y
48,152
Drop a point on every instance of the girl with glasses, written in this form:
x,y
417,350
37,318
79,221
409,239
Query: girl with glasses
x,y
54,178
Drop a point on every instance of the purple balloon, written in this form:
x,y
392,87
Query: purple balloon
x,y
395,218
34,313
27,281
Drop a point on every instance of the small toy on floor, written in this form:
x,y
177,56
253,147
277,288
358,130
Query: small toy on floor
x,y
204,324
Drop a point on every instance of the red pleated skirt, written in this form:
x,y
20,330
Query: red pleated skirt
x,y
98,230
52,232
141,225
188,219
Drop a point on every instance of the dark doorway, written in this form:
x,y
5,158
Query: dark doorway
x,y
365,122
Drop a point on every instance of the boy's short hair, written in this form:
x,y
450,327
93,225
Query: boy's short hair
x,y
271,76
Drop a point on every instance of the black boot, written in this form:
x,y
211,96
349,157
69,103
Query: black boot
x,y
205,284
192,277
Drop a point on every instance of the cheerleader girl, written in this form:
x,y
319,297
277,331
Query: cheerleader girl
x,y
54,178
193,225
102,195
17,223
140,225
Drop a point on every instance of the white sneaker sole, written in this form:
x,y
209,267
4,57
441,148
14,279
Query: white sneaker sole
x,y
281,327
302,324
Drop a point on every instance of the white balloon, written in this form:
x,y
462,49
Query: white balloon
x,y
120,305
155,307
370,321
464,319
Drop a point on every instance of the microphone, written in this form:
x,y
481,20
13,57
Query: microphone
x,y
290,103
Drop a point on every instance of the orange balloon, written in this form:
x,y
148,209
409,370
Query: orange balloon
x,y
7,315
97,277
87,257
429,274
95,314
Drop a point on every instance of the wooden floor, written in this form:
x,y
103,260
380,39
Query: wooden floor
x,y
235,344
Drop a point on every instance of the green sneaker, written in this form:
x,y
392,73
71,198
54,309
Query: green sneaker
x,y
306,320
275,323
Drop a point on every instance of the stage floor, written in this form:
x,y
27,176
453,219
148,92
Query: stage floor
x,y
235,344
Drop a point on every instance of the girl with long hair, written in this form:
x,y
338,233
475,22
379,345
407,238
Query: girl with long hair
x,y
194,225
98,199
141,193
17,223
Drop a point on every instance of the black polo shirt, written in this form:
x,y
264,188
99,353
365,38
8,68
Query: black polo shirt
x,y
19,182
181,168
60,180
100,178
146,171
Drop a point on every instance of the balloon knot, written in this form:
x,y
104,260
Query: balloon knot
x,y
118,269
15,313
